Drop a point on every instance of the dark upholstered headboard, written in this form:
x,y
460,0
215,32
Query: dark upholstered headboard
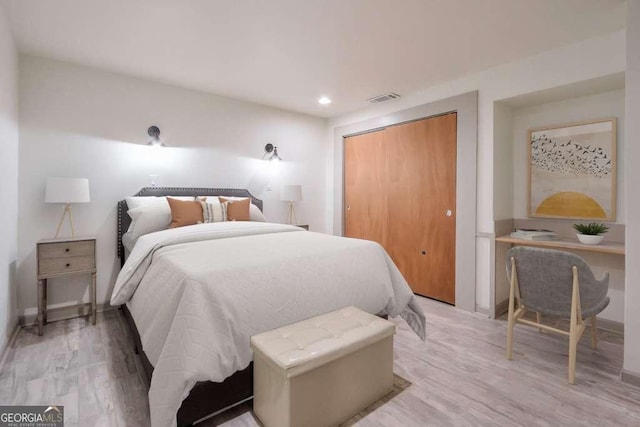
x,y
124,220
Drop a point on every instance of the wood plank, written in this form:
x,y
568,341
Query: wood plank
x,y
608,248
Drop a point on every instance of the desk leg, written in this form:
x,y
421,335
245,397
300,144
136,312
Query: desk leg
x,y
40,307
93,299
44,304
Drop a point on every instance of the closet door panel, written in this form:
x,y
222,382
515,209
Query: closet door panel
x,y
400,184
437,212
403,188
365,199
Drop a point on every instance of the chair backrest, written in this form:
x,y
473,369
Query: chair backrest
x,y
545,279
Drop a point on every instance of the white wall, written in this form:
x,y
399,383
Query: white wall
x,y
82,122
586,60
8,179
599,106
503,184
632,178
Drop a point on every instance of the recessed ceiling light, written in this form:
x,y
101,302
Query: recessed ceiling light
x,y
324,100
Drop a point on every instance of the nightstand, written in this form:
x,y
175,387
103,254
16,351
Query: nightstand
x,y
65,257
305,226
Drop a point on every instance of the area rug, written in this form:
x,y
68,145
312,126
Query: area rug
x,y
399,385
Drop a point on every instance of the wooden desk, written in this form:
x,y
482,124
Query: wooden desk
x,y
607,248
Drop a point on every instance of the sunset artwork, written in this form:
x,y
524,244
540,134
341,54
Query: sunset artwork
x,y
573,171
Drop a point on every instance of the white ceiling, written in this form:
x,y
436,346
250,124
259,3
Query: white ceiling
x,y
287,53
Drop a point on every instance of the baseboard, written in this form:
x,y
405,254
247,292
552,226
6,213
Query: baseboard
x,y
630,378
7,345
603,324
502,308
62,313
611,326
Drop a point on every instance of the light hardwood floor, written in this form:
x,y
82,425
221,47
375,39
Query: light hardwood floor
x,y
458,377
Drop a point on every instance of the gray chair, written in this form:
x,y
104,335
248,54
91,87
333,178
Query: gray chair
x,y
551,282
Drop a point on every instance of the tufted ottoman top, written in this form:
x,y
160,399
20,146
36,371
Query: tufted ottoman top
x,y
310,343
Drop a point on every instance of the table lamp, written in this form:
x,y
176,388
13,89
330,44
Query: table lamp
x,y
67,191
291,194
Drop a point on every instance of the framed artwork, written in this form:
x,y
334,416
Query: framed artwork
x,y
572,171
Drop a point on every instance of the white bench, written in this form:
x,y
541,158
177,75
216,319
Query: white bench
x,y
322,371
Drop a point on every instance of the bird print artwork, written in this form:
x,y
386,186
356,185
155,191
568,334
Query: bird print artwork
x,y
572,171
569,157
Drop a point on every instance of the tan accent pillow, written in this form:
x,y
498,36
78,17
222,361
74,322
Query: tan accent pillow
x,y
184,212
237,210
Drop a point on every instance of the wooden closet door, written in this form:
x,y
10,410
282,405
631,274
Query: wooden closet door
x,y
400,184
364,180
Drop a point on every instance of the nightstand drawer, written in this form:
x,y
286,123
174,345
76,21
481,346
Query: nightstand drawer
x,y
53,266
66,249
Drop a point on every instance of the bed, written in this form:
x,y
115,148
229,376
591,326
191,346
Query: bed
x,y
194,295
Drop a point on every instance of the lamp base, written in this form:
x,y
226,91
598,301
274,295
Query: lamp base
x,y
291,217
67,211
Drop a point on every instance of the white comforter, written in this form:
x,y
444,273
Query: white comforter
x,y
198,293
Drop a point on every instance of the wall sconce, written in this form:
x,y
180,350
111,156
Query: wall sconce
x,y
154,133
271,151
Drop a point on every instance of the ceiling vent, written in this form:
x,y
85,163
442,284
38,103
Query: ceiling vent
x,y
383,98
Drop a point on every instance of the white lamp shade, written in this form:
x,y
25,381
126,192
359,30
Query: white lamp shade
x,y
67,190
291,193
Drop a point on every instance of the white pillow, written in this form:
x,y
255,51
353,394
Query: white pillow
x,y
149,218
209,199
137,201
214,212
255,214
149,213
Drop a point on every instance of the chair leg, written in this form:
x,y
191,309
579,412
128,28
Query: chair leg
x,y
539,320
573,348
574,334
510,325
511,315
594,332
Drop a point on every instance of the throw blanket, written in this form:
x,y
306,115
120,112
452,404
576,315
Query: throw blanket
x,y
198,293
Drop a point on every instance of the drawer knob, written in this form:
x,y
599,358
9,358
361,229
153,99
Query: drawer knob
x,y
68,265
66,250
